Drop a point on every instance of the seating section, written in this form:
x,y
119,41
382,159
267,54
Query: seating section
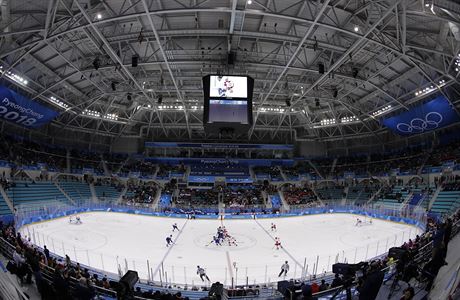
x,y
4,209
107,192
196,197
446,201
393,197
237,196
298,195
268,173
78,191
34,193
361,193
330,194
166,172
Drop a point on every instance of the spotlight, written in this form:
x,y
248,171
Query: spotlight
x,y
356,28
96,63
134,61
249,2
99,16
354,72
321,68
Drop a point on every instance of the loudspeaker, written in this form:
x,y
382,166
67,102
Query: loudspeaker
x,y
354,72
231,58
134,61
336,93
321,68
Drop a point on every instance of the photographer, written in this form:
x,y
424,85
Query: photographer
x,y
369,284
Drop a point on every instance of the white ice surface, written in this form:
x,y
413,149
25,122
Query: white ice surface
x,y
107,240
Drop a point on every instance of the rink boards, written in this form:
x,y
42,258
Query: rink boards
x,y
114,242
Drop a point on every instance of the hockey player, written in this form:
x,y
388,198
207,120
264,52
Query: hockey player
x,y
77,220
200,271
273,227
169,241
358,222
216,240
231,241
284,269
175,227
278,243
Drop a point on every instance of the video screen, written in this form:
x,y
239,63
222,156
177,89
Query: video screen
x,y
228,86
234,111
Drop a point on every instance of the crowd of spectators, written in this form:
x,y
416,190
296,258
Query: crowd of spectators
x,y
443,153
141,193
452,185
164,171
296,195
86,160
240,196
145,169
272,171
219,168
196,197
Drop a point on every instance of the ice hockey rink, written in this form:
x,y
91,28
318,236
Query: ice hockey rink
x,y
114,242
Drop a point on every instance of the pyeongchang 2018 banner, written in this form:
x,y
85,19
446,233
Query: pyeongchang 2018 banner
x,y
18,109
432,115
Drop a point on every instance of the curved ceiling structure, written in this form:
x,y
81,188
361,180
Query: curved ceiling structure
x,y
76,56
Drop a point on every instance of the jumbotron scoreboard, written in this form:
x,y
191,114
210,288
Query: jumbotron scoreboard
x,y
227,103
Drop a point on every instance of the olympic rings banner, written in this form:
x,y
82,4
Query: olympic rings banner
x,y
18,109
432,115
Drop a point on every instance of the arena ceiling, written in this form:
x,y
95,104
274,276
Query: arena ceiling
x,y
377,54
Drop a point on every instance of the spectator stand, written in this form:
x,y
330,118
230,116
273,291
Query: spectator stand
x,y
108,188
328,191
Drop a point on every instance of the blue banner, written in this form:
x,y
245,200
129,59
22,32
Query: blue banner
x,y
20,110
238,180
217,146
209,179
432,115
223,161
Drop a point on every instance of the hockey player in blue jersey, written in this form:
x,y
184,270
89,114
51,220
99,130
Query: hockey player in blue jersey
x,y
175,227
169,241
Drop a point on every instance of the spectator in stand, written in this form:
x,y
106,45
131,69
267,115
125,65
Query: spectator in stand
x,y
337,281
323,286
314,287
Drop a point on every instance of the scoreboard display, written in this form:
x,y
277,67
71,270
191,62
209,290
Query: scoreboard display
x,y
227,103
